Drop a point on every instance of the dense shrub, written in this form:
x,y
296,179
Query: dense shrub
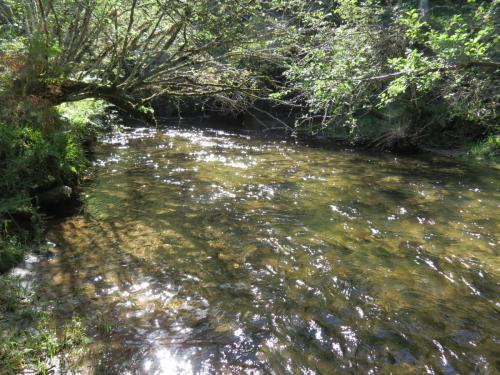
x,y
488,149
37,155
28,156
11,252
382,72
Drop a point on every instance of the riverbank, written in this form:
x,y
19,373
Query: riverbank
x,y
261,124
43,159
42,162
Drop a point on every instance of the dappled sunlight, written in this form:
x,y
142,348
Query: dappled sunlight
x,y
305,258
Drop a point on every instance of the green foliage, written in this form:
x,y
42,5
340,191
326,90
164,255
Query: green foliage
x,y
413,25
489,149
41,145
34,157
83,114
129,52
361,58
29,155
412,65
325,77
11,253
342,60
29,338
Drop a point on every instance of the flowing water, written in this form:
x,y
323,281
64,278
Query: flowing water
x,y
201,252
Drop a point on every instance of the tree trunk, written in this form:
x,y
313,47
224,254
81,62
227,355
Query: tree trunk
x,y
423,6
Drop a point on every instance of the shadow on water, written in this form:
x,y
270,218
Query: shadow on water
x,y
217,253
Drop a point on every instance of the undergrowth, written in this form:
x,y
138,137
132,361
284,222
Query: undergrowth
x,y
30,340
489,149
39,149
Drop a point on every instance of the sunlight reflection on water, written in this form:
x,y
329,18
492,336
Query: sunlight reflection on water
x,y
162,361
205,252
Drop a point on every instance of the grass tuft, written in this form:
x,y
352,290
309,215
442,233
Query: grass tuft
x,y
489,149
30,340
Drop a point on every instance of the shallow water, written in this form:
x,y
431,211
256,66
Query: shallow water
x,y
202,252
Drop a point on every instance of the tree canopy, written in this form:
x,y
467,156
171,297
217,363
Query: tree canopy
x,y
126,52
336,63
359,59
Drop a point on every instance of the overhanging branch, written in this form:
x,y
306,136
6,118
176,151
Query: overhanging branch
x,y
71,91
418,73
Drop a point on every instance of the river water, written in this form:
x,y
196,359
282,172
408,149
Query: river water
x,y
201,252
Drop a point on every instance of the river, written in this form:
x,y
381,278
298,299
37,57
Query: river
x,y
202,251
